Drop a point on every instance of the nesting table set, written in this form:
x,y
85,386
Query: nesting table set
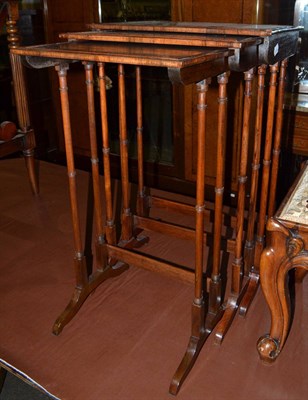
x,y
193,53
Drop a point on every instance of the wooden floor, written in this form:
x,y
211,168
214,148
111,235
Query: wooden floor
x,y
130,335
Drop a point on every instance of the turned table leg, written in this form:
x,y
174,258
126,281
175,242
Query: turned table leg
x,y
79,259
249,244
277,139
202,326
237,266
84,284
110,228
141,196
98,206
127,220
128,238
265,189
215,282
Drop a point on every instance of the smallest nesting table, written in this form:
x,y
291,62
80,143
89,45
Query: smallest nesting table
x,y
186,65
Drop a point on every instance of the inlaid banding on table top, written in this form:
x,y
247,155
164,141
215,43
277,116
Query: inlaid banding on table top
x,y
296,208
275,42
182,39
196,27
157,56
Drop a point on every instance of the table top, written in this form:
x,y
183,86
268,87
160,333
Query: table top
x,y
196,27
136,54
185,64
253,44
165,38
175,45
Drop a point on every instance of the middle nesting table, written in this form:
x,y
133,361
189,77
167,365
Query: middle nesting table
x,y
256,47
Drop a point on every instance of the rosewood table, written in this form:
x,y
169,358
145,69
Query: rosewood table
x,y
193,54
255,47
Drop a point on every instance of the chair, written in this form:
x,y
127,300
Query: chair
x,y
287,249
22,139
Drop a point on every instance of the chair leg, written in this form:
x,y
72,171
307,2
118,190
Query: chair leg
x,y
21,99
30,164
285,251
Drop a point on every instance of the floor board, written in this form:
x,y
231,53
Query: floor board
x,y
128,338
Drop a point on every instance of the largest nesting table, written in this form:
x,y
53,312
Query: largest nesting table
x,y
193,54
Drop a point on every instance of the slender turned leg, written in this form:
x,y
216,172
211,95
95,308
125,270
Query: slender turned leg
x,y
141,199
264,192
84,284
110,225
80,264
237,266
277,139
100,257
127,222
215,283
250,244
24,120
127,237
199,332
284,252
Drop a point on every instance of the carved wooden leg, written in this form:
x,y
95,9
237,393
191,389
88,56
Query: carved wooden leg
x,y
24,120
215,283
284,252
254,275
199,332
300,275
237,266
297,258
268,345
20,94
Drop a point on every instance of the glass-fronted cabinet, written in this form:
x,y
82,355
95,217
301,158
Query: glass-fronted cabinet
x,y
156,87
301,19
125,10
295,138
